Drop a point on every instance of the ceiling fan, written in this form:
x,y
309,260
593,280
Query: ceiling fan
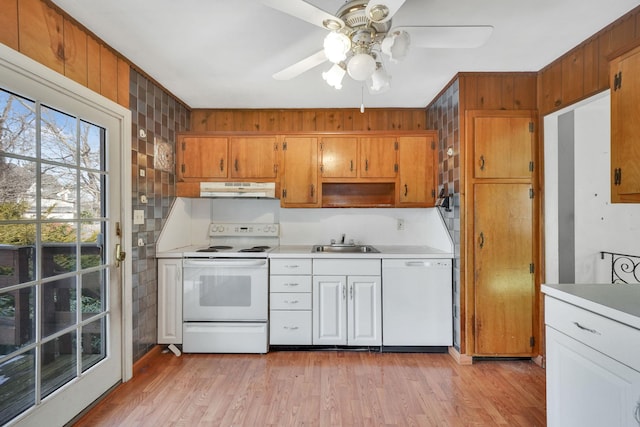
x,y
361,31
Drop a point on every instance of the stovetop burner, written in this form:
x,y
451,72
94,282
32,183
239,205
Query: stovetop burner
x,y
255,249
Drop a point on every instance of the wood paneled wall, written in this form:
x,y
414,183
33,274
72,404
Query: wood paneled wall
x,y
497,91
584,70
307,120
42,32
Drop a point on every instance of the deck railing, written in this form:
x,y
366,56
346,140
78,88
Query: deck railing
x,y
624,268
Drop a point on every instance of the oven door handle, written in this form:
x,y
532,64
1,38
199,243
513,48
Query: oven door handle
x,y
225,263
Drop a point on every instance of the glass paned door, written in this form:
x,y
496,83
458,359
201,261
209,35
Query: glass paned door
x,y
59,291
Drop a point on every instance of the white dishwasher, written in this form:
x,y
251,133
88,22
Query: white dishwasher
x,y
417,302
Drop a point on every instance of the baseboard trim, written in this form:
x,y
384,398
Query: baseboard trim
x,y
141,364
461,359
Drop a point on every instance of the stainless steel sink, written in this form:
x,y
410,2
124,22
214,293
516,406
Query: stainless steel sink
x,y
342,248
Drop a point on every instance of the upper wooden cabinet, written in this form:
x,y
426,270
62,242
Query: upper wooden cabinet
x,y
625,128
416,165
340,169
358,157
299,180
339,157
202,157
378,157
253,157
502,146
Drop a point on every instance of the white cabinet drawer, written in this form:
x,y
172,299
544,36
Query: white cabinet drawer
x,y
290,284
617,340
290,266
290,328
290,301
347,267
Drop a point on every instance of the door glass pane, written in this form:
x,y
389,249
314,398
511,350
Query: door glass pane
x,y
59,364
17,187
17,323
90,190
93,343
18,130
58,305
91,248
59,249
91,146
17,388
59,136
58,192
16,260
93,297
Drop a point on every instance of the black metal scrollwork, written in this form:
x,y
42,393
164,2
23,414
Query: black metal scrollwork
x,y
624,268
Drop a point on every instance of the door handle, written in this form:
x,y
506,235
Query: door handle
x,y
366,165
351,166
120,254
406,190
481,163
235,164
221,165
481,240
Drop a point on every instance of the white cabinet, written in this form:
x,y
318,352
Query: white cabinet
x,y
170,301
593,368
347,302
290,302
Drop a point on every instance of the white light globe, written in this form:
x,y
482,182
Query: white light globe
x,y
336,46
361,66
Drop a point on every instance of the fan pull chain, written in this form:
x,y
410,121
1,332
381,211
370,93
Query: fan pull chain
x,y
362,99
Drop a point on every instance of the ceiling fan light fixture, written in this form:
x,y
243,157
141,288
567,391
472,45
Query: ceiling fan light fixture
x,y
378,12
334,76
361,66
396,45
380,81
336,46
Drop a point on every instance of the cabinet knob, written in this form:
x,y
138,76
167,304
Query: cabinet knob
x,y
481,163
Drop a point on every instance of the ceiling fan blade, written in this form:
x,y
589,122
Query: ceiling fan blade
x,y
307,12
301,66
382,10
471,36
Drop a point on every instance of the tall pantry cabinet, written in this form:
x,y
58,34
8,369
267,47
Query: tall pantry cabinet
x,y
500,243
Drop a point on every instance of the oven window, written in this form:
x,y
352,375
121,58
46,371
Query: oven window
x,y
225,291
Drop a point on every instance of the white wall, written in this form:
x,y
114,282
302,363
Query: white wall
x,y
599,225
189,220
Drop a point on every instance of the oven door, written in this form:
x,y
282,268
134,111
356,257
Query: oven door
x,y
225,289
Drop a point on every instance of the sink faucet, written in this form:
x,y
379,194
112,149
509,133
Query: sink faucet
x,y
342,240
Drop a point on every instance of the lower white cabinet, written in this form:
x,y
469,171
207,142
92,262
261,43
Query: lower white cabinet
x,y
170,301
290,302
587,383
347,302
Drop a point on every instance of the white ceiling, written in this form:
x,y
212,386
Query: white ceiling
x,y
222,54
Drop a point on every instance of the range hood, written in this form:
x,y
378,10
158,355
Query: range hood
x,y
238,189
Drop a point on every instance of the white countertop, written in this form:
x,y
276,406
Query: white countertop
x,y
617,302
386,251
304,251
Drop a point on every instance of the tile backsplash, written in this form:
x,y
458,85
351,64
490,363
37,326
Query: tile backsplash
x,y
156,118
444,116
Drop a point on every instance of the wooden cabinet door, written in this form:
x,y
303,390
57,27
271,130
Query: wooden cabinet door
x,y
364,312
339,157
378,157
625,128
329,310
254,157
502,145
203,157
503,256
299,172
416,165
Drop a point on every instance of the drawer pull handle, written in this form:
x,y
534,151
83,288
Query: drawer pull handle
x,y
291,266
291,328
584,328
291,284
295,301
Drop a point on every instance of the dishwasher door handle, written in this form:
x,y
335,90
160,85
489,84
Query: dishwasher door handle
x,y
417,263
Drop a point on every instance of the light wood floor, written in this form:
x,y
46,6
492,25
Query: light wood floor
x,y
325,388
